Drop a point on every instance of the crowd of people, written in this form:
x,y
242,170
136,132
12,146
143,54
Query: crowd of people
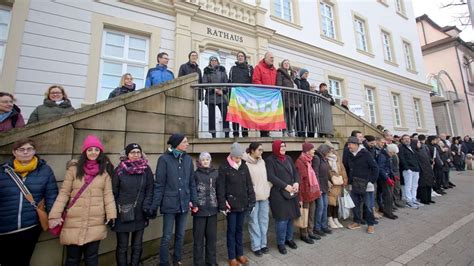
x,y
377,174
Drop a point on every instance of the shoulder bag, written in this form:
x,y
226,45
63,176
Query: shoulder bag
x,y
127,211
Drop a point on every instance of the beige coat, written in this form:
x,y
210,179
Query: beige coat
x,y
258,173
85,221
336,191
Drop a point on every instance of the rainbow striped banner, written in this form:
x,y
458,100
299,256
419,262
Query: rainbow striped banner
x,y
256,108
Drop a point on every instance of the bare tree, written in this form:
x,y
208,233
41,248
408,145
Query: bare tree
x,y
463,18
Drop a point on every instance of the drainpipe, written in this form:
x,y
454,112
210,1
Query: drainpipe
x,y
463,82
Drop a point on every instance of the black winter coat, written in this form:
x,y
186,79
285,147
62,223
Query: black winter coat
x,y
188,68
206,186
241,73
284,79
281,174
426,171
362,165
384,163
302,84
322,169
408,159
216,74
126,188
235,187
175,185
121,90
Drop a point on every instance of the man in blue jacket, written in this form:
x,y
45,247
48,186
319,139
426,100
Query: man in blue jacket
x,y
174,193
160,73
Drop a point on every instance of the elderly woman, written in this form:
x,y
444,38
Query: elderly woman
x,y
126,86
322,169
19,221
282,173
337,173
10,114
54,104
132,185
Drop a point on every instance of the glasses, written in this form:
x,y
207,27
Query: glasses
x,y
31,149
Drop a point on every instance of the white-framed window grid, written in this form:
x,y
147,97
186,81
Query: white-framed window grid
x,y
400,6
335,89
327,20
396,110
361,35
417,107
370,103
284,9
387,46
408,56
122,53
5,16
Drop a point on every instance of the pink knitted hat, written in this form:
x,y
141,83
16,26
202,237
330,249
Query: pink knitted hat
x,y
92,141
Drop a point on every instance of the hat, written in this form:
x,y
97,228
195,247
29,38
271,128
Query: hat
x,y
236,150
307,146
327,142
131,147
205,155
302,71
92,141
175,140
213,58
353,140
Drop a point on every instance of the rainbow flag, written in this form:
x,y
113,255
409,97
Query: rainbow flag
x,y
256,108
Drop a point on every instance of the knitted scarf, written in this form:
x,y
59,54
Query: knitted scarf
x,y
232,163
311,174
136,167
91,168
23,170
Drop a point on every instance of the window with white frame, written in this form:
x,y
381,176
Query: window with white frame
x,y
387,46
327,20
122,53
400,5
408,55
396,110
370,104
418,118
5,14
284,9
361,36
335,89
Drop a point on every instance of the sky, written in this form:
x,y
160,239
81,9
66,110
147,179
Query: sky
x,y
444,16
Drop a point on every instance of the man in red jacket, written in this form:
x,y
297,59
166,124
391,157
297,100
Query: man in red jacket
x,y
265,73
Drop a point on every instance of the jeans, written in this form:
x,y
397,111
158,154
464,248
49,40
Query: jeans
x,y
204,237
284,231
368,200
122,247
170,219
321,219
411,184
17,248
90,250
258,225
235,226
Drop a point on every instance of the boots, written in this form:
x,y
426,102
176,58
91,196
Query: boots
x,y
331,223
233,262
242,260
336,221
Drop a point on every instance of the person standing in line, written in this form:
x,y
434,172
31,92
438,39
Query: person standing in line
x,y
191,66
235,196
55,103
160,73
89,182
205,219
322,169
285,77
258,222
397,192
385,180
126,86
10,113
132,184
426,181
305,115
457,154
282,173
410,168
335,191
174,193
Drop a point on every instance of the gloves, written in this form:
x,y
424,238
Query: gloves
x,y
150,214
397,178
390,182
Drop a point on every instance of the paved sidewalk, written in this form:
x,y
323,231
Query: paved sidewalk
x,y
432,235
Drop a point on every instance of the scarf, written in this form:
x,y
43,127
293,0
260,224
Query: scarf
x,y
307,159
136,167
232,163
4,116
332,160
91,168
23,170
276,146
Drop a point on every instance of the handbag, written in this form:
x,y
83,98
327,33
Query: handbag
x,y
127,211
337,180
58,228
359,185
302,221
40,207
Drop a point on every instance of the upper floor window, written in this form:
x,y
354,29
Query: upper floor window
x,y
400,5
335,89
327,20
396,109
387,46
418,112
5,14
122,53
408,53
361,35
370,104
284,9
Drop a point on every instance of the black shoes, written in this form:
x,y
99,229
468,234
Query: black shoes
x,y
391,216
258,253
291,244
432,202
282,249
327,231
315,237
265,250
319,233
307,240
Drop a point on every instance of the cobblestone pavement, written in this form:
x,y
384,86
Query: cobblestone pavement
x,y
438,234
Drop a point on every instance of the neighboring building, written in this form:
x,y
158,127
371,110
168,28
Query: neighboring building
x,y
449,67
367,52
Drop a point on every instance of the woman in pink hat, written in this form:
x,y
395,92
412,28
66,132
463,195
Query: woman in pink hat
x,y
86,195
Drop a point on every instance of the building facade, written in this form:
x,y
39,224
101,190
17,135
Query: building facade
x,y
449,67
367,52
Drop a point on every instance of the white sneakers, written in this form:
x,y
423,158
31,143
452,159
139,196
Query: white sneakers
x,y
334,223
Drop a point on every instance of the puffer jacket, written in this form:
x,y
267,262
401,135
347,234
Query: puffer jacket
x,y
264,74
258,174
14,120
121,90
216,74
241,73
235,187
158,75
50,109
206,179
15,211
85,221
